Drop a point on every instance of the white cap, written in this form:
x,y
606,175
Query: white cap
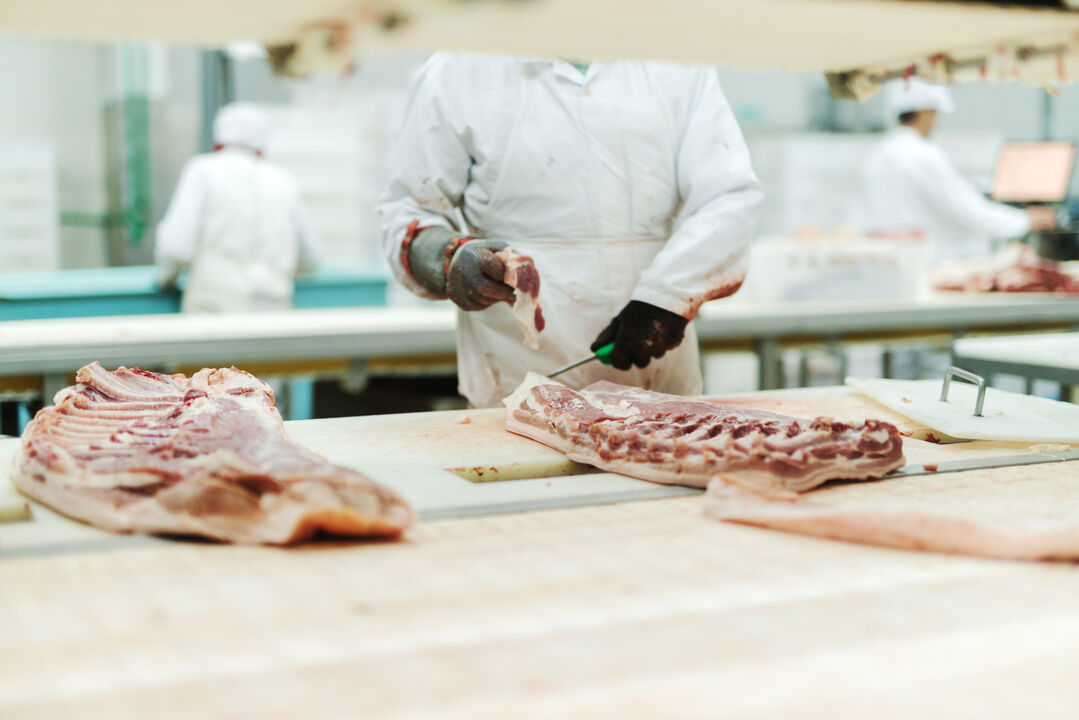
x,y
241,123
911,94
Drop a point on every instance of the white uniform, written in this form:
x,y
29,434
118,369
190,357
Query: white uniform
x,y
908,184
237,221
630,181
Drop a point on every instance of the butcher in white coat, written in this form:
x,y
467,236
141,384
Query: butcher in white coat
x,y
629,184
910,186
237,222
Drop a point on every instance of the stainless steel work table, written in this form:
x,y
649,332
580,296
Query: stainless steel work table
x,y
1049,356
47,351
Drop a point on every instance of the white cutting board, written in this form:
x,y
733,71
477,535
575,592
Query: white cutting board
x,y
1005,416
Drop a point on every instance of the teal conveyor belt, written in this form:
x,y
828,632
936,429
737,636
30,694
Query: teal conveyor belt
x,y
135,291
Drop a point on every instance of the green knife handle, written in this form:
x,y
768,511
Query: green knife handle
x,y
604,353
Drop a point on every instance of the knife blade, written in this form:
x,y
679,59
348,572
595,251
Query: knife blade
x,y
603,355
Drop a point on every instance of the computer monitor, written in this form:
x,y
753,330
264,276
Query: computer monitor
x,y
1033,172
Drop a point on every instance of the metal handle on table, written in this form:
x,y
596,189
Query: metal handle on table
x,y
967,375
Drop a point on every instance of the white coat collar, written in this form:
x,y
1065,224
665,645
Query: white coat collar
x,y
563,69
902,131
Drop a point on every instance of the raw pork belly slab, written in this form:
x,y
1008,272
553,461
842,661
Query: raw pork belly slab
x,y
522,276
676,440
136,451
1014,269
1016,513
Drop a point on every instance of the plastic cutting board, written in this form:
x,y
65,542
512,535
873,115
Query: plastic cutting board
x,y
1005,416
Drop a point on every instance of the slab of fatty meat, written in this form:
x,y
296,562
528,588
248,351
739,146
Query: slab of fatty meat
x,y
677,440
522,276
1026,512
136,451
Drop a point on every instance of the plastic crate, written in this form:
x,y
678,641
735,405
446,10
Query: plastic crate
x,y
792,269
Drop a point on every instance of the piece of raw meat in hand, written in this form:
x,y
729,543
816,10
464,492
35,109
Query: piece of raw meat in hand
x,y
678,440
522,276
136,451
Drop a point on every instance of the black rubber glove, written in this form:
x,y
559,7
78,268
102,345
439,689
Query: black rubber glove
x,y
472,277
641,332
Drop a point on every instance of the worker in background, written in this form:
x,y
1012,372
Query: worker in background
x,y
909,185
628,183
236,222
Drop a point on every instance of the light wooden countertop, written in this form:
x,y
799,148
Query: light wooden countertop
x,y
641,609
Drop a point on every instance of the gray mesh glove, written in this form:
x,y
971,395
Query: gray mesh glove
x,y
470,276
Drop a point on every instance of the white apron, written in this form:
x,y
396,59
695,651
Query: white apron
x,y
220,282
585,280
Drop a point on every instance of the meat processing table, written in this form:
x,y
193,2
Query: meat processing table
x,y
506,607
1051,356
942,317
43,353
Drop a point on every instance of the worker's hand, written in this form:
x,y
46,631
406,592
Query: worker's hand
x,y
168,274
475,277
641,332
465,271
1042,217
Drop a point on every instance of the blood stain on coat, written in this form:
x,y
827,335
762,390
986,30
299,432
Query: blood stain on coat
x,y
726,289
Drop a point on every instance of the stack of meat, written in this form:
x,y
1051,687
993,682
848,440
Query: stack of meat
x,y
672,439
132,450
1015,513
1015,269
756,466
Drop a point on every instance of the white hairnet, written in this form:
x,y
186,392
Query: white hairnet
x,y
241,123
911,94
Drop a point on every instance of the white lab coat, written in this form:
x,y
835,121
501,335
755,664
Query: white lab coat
x,y
629,181
908,184
237,222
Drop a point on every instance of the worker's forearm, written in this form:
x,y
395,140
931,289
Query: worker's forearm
x,y
397,215
683,293
427,259
167,272
706,258
1009,222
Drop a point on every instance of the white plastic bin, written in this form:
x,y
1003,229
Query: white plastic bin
x,y
835,267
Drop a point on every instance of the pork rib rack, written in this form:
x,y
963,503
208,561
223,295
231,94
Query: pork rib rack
x,y
136,451
676,440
